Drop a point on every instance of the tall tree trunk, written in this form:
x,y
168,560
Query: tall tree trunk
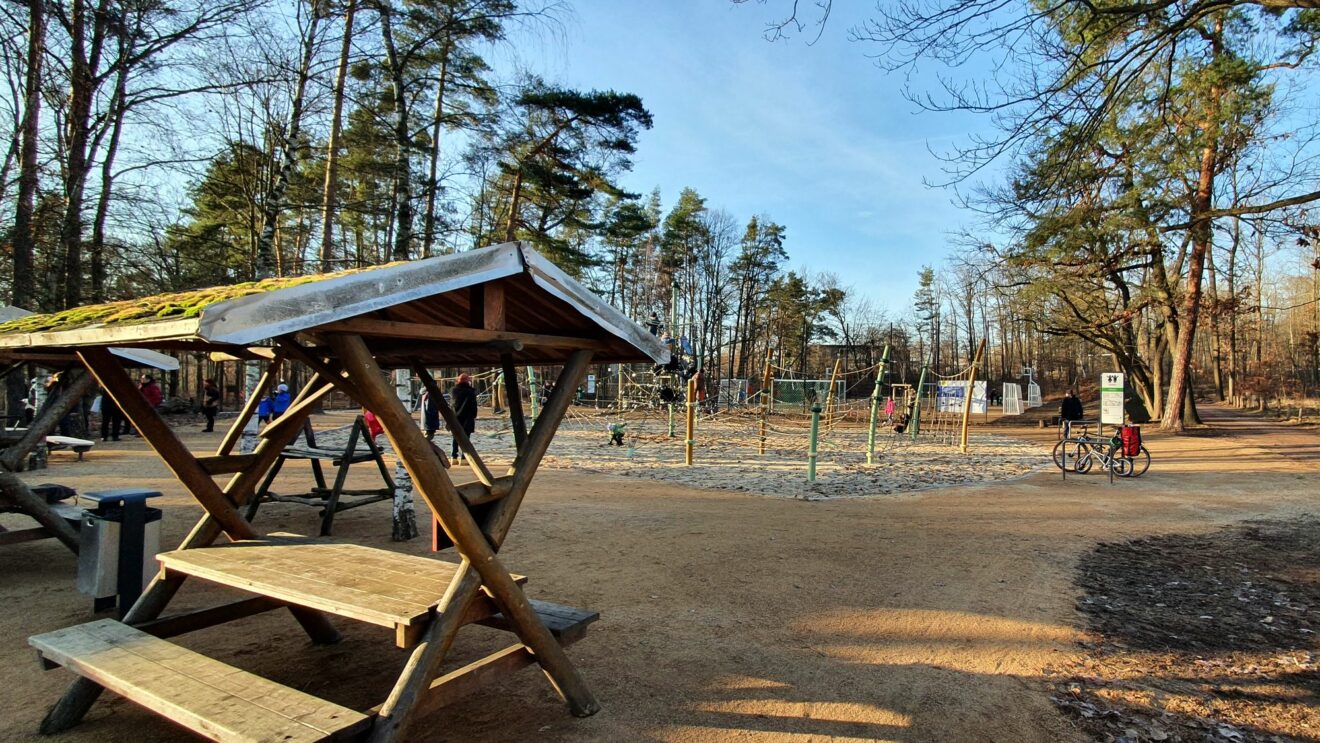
x,y
1202,234
274,203
1216,336
84,58
432,182
21,287
118,108
402,140
330,190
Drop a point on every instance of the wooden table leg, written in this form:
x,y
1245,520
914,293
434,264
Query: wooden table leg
x,y
438,490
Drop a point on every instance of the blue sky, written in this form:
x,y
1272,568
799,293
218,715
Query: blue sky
x,y
815,136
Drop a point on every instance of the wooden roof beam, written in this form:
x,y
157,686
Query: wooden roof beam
x,y
369,328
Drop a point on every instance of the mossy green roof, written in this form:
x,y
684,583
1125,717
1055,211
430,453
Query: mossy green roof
x,y
173,306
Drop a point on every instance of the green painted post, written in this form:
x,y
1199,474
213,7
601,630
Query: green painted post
x,y
915,423
875,405
811,453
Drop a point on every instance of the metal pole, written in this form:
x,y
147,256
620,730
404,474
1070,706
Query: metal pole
x,y
691,420
811,452
915,423
875,405
766,395
620,395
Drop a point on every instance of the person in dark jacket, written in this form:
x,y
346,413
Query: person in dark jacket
x,y
430,416
1070,410
210,404
464,398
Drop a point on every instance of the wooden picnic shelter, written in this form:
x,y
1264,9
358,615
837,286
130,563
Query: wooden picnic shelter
x,y
500,306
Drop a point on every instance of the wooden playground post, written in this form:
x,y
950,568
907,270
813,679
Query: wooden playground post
x,y
829,396
691,419
765,401
967,398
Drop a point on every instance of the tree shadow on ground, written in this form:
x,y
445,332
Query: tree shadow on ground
x,y
1200,637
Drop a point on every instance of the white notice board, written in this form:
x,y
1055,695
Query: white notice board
x,y
1111,398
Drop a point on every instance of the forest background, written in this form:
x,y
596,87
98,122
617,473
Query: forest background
x,y
1139,200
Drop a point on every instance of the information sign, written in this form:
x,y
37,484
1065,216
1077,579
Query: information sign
x,y
1111,398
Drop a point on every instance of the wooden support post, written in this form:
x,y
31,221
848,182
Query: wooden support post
x,y
538,442
967,396
479,468
514,401
35,506
235,431
766,392
171,450
691,420
438,490
47,419
829,396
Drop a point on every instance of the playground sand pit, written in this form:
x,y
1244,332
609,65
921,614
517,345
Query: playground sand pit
x,y
725,456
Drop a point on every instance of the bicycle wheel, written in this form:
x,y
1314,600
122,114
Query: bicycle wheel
x,y
1122,465
1139,464
1062,454
1065,453
1085,458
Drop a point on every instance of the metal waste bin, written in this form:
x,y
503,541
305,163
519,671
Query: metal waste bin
x,y
118,540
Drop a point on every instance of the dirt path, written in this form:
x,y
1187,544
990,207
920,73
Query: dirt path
x,y
725,616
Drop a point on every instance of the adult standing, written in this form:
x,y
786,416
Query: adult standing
x,y
281,401
1070,410
210,404
113,423
430,416
464,397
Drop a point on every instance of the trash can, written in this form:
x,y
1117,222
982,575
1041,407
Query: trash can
x,y
118,540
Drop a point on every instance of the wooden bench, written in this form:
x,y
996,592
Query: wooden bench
x,y
210,698
371,585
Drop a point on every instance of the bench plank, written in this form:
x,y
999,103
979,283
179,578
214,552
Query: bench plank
x,y
363,583
206,696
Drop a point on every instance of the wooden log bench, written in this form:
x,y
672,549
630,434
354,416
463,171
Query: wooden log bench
x,y
210,698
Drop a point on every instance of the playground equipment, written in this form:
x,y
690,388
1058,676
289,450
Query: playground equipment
x,y
495,306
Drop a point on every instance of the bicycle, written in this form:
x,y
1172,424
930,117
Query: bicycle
x,y
1079,453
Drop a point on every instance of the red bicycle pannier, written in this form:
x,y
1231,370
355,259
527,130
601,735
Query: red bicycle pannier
x,y
1131,438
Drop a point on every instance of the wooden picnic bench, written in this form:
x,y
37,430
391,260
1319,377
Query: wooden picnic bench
x,y
360,448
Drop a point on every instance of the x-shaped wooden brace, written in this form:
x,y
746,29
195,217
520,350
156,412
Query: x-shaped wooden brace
x,y
221,504
477,544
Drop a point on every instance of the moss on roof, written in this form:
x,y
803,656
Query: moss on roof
x,y
174,306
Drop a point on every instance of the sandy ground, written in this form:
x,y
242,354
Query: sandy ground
x,y
725,615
